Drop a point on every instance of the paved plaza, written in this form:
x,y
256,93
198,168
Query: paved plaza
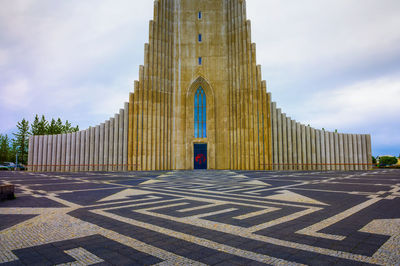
x,y
201,218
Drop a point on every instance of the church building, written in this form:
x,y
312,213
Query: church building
x,y
200,103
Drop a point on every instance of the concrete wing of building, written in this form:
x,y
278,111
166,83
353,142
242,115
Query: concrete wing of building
x,y
200,103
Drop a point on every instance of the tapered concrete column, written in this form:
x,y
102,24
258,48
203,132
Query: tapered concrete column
x,y
327,151
337,151
275,136
289,143
77,150
111,146
44,155
313,150
68,153
73,144
106,143
280,140
120,140
35,153
341,152
355,152
304,147
101,148
308,148
63,151
82,152
294,145
87,148
59,152
54,152
351,156
116,135
96,148
40,154
318,149
332,150
125,138
91,148
284,143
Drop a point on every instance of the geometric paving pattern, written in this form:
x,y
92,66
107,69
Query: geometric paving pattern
x,y
202,218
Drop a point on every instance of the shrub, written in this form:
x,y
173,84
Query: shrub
x,y
387,160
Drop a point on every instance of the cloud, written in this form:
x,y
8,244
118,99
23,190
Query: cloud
x,y
15,94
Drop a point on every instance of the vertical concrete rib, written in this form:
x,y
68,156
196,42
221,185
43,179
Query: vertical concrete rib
x,y
284,142
49,152
92,133
275,136
106,145
72,158
120,139
110,166
351,157
341,152
327,151
54,153
280,139
116,141
96,148
289,144
299,147
318,149
82,152
30,154
364,152
308,148
332,150
355,152
359,152
304,147
87,149
68,153
101,148
323,150
346,152
59,152
369,151
77,150
313,149
40,153
63,152
294,145
125,138
337,151
44,155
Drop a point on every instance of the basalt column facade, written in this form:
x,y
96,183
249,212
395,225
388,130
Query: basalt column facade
x,y
200,100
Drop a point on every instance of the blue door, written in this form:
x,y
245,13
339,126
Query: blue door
x,y
200,156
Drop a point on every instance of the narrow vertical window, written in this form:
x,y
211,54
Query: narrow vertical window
x,y
200,15
200,61
200,114
200,38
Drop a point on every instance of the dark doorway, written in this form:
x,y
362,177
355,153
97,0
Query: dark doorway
x,y
200,156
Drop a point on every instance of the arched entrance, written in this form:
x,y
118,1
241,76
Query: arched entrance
x,y
200,126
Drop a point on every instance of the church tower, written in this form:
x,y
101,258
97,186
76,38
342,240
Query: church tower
x,y
200,103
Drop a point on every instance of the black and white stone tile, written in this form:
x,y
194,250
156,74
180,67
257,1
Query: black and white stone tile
x,y
202,218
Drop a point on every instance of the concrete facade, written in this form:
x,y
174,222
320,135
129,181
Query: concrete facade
x,y
193,44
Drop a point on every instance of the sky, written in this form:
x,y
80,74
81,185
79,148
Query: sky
x,y
333,64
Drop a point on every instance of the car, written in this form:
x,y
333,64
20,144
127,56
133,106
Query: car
x,y
11,166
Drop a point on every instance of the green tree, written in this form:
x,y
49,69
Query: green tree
x,y
68,128
373,160
21,140
387,160
4,148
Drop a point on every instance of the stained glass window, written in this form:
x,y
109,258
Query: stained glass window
x,y
200,114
